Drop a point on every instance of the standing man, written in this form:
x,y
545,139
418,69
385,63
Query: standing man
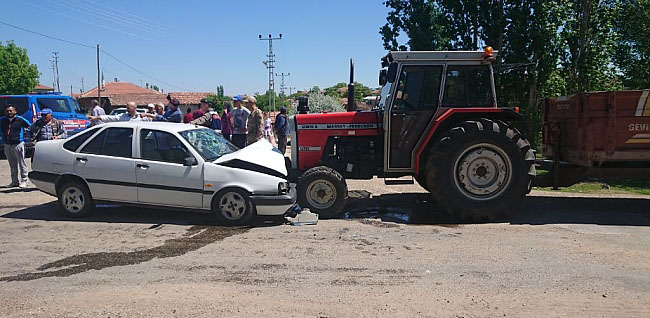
x,y
282,129
188,116
238,121
13,133
172,115
130,115
151,109
159,109
47,127
226,128
209,117
96,111
255,121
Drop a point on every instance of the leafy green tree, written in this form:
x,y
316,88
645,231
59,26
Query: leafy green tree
x,y
632,52
17,75
319,102
422,21
340,90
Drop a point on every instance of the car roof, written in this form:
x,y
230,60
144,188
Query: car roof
x,y
170,127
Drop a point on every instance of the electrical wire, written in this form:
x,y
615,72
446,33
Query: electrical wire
x,y
92,47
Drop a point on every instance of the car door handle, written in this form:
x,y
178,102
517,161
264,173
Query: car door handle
x,y
142,166
82,160
399,114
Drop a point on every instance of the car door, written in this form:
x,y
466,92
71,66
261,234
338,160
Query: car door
x,y
162,178
415,102
106,163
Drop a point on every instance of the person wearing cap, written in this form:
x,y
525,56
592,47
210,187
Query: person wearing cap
x,y
96,111
151,109
282,129
131,114
12,130
209,118
47,127
238,122
255,129
173,113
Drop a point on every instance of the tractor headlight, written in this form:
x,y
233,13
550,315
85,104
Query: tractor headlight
x,y
283,188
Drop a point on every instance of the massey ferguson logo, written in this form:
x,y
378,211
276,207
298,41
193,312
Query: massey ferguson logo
x,y
338,126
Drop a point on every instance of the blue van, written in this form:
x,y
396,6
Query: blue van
x,y
64,108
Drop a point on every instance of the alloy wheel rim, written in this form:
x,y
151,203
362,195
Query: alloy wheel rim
x,y
73,200
232,205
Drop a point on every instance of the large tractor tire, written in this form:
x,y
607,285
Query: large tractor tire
x,y
480,170
323,190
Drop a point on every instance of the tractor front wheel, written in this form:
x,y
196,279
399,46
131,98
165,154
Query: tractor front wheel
x,y
323,190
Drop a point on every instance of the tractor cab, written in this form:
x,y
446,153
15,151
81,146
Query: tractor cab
x,y
418,86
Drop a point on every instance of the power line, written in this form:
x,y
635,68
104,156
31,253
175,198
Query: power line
x,y
88,46
47,36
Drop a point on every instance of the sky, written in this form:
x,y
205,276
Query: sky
x,y
196,45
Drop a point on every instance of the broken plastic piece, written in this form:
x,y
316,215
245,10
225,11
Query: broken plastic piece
x,y
305,217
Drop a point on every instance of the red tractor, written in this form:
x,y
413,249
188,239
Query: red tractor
x,y
438,121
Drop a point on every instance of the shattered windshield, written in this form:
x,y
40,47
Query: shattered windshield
x,y
209,144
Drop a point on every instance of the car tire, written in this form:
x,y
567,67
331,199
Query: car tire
x,y
323,190
480,170
233,207
74,199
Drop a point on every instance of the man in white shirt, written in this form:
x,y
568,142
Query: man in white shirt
x,y
97,111
130,115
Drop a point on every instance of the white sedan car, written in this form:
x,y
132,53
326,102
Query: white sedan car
x,y
163,165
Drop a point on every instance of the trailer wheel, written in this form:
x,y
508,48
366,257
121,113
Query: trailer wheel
x,y
480,170
323,190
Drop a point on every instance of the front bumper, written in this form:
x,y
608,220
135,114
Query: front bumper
x,y
275,204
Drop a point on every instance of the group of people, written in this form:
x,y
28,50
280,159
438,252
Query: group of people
x,y
241,125
15,130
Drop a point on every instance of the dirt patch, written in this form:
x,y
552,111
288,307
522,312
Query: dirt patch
x,y
195,238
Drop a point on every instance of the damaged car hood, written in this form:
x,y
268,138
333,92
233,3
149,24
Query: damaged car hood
x,y
260,156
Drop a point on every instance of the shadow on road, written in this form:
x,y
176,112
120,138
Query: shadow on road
x,y
418,208
127,214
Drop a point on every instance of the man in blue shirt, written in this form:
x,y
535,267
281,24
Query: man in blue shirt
x,y
282,129
13,134
173,114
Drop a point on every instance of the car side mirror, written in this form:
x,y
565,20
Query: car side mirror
x,y
392,72
383,77
190,161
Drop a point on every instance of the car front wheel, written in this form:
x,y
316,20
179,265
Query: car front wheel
x,y
75,199
233,207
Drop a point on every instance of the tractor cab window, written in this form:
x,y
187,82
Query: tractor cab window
x,y
468,86
384,95
418,88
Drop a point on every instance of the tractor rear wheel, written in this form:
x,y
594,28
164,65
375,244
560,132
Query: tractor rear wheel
x,y
480,170
323,190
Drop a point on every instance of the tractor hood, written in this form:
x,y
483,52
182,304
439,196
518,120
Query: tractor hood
x,y
260,156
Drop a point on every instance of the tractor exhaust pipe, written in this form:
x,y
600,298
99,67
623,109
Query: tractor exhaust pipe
x,y
352,105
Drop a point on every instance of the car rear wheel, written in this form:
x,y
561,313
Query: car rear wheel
x,y
323,191
75,199
233,207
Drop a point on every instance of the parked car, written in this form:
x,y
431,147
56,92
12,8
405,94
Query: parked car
x,y
64,108
122,110
163,165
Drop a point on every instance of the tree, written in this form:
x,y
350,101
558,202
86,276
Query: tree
x,y
632,52
17,75
421,21
319,102
340,90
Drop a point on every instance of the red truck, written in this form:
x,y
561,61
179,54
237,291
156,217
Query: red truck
x,y
597,134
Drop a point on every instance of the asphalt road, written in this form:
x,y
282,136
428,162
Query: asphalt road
x,y
392,254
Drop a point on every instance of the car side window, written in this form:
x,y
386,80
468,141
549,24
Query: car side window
x,y
115,142
162,146
78,140
55,104
468,86
418,88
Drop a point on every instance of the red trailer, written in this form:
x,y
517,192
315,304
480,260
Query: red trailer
x,y
597,134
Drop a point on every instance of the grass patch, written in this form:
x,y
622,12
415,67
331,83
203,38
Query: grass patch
x,y
610,186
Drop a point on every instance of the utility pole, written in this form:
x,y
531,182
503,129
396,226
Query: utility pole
x,y
282,87
290,90
53,73
270,65
82,85
56,66
99,82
